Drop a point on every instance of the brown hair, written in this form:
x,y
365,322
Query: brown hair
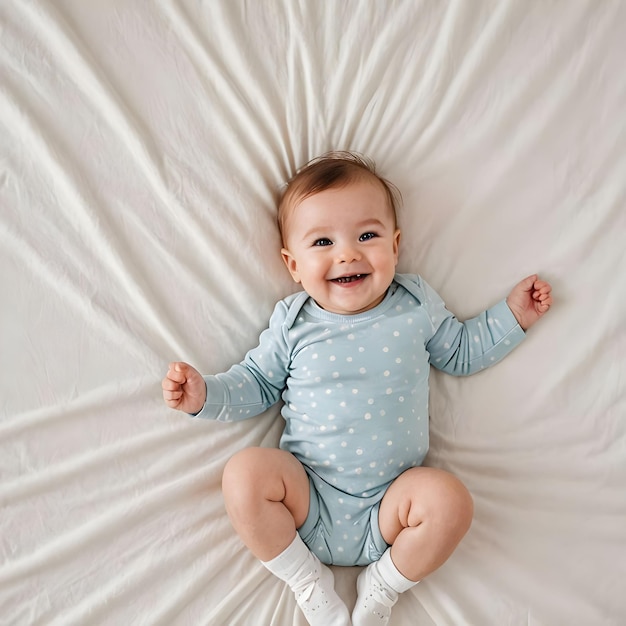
x,y
330,171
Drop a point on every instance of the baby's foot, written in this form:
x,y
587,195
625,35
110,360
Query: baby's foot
x,y
374,600
316,596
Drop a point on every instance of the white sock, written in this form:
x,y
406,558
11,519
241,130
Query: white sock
x,y
313,584
391,575
378,586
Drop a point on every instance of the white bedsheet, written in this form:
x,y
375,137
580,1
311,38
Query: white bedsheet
x,y
142,148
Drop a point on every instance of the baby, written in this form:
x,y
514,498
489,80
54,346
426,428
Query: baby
x,y
350,358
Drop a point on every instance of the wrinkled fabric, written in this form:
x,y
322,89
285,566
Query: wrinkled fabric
x,y
142,148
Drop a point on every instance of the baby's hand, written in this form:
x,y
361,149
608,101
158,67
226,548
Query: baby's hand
x,y
184,388
529,300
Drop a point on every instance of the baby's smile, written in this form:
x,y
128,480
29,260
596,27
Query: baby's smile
x,y
342,280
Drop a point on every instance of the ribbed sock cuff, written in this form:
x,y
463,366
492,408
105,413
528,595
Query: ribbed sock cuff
x,y
290,560
390,574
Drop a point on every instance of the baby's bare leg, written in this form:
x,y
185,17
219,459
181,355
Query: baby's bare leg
x,y
424,515
267,498
266,492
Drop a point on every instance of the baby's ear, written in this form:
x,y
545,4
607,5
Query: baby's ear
x,y
396,243
291,264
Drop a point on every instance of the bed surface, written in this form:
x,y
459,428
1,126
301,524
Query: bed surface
x,y
142,149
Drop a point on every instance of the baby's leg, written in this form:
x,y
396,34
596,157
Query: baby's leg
x,y
267,498
423,515
266,492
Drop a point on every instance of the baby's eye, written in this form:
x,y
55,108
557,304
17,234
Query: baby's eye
x,y
367,236
323,241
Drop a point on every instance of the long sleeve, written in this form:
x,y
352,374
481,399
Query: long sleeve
x,y
255,384
463,348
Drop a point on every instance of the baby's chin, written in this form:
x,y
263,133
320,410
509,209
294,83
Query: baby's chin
x,y
338,309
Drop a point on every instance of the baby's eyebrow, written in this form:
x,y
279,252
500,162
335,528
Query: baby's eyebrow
x,y
316,231
326,230
371,222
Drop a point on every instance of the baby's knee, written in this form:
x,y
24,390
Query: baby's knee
x,y
465,507
450,503
239,484
240,470
459,503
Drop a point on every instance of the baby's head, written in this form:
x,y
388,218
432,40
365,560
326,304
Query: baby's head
x,y
338,222
330,171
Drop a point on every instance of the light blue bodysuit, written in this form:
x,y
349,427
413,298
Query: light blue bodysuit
x,y
355,392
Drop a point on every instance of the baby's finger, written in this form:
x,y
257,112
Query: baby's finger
x,y
175,372
544,302
542,285
543,292
170,385
172,395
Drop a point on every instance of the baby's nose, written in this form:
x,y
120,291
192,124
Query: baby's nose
x,y
347,254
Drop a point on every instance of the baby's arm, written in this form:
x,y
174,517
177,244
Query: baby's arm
x,y
529,300
245,390
184,388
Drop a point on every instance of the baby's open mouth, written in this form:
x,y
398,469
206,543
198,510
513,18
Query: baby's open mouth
x,y
348,279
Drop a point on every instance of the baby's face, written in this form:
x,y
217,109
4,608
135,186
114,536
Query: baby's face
x,y
342,245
